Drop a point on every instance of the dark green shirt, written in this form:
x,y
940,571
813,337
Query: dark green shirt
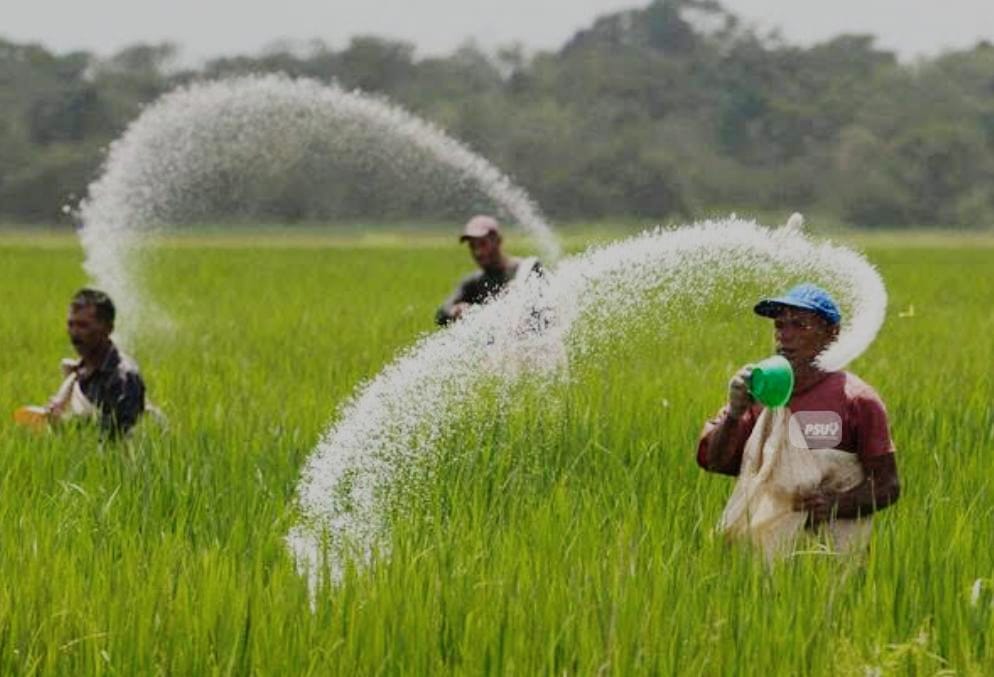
x,y
117,390
479,287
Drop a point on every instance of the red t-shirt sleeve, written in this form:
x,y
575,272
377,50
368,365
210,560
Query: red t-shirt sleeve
x,y
872,429
740,434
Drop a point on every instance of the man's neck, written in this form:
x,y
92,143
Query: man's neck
x,y
807,376
502,266
92,361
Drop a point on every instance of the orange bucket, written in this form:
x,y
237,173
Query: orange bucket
x,y
35,418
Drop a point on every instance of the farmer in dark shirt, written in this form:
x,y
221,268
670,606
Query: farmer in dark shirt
x,y
103,383
806,321
497,269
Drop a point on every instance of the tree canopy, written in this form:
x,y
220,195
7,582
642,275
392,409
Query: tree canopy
x,y
669,111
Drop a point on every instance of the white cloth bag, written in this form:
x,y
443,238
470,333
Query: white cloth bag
x,y
71,401
774,471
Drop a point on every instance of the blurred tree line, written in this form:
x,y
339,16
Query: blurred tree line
x,y
673,110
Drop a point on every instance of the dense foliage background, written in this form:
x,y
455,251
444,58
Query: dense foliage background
x,y
674,110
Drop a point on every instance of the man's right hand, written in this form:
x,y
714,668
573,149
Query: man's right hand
x,y
53,410
739,399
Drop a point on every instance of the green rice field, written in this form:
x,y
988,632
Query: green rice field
x,y
568,532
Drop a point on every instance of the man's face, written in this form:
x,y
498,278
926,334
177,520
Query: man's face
x,y
802,335
86,332
485,251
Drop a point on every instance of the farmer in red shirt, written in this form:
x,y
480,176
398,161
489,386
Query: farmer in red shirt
x,y
834,409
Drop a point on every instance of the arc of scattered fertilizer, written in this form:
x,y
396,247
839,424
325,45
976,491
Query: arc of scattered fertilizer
x,y
156,171
398,417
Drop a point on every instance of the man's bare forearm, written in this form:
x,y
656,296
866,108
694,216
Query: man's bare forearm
x,y
880,489
723,445
722,449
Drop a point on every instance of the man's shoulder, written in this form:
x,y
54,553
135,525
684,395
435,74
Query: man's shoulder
x,y
859,391
126,365
70,365
840,389
528,266
472,278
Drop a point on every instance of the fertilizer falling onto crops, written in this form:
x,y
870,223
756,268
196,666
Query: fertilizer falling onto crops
x,y
399,417
216,140
220,140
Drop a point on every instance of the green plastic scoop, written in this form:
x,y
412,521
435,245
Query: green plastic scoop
x,y
772,381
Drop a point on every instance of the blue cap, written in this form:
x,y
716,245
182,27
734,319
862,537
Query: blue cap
x,y
805,296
